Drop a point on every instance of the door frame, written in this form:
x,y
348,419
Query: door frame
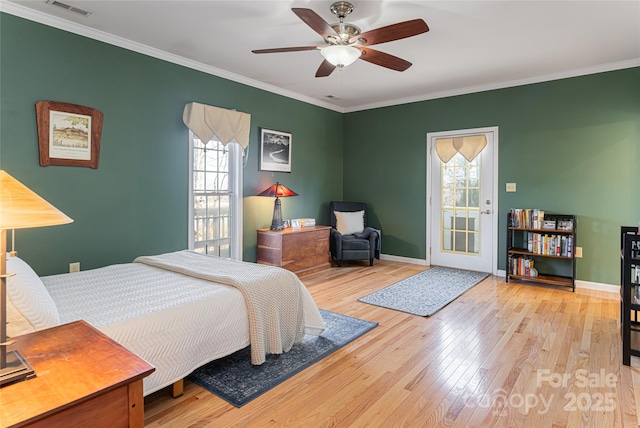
x,y
431,137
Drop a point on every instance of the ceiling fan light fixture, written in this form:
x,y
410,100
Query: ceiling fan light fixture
x,y
341,55
345,43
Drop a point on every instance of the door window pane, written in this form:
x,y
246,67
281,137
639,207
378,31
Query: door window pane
x,y
460,187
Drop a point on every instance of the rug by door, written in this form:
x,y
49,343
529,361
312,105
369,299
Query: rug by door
x,y
235,380
426,293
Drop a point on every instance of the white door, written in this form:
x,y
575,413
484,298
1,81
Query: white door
x,y
462,217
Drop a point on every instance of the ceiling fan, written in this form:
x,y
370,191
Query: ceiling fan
x,y
345,43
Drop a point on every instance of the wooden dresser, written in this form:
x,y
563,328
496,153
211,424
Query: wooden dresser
x,y
303,250
83,379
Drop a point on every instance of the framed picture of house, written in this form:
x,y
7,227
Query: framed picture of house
x,y
68,134
275,150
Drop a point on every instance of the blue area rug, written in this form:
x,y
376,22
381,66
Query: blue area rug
x,y
426,293
235,380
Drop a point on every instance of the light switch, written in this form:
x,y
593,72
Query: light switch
x,y
511,187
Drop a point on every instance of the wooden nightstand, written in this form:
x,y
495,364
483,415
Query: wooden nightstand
x,y
303,250
83,379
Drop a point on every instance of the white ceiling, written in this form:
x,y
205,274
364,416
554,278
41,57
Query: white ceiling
x,y
471,45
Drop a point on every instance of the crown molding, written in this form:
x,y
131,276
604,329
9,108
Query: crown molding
x,y
72,27
102,36
602,68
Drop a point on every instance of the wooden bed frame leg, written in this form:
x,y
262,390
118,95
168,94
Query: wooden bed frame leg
x,y
177,389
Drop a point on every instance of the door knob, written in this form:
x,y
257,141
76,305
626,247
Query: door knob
x,y
485,212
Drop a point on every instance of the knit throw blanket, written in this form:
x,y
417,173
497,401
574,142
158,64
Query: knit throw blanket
x,y
272,295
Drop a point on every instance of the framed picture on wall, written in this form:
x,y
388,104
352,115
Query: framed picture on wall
x,y
275,150
68,134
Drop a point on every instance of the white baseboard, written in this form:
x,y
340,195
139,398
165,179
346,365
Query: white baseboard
x,y
403,259
588,285
598,286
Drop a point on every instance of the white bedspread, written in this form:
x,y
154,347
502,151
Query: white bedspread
x,y
273,296
175,322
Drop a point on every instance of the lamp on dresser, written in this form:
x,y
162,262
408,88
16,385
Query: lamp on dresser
x,y
279,191
20,208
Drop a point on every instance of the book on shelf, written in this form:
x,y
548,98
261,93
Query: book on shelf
x,y
549,244
635,274
634,254
522,266
527,218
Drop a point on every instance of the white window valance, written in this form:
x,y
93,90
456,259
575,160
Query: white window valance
x,y
468,146
227,125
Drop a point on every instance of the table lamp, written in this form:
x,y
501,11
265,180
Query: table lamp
x,y
20,208
277,190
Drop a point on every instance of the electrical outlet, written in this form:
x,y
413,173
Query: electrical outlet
x,y
511,187
578,252
74,267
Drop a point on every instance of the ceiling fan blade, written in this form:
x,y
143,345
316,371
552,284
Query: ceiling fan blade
x,y
315,21
392,32
292,49
325,69
384,59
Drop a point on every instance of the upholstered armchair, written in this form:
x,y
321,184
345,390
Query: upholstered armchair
x,y
351,239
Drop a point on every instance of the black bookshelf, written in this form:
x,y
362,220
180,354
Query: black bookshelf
x,y
630,292
548,245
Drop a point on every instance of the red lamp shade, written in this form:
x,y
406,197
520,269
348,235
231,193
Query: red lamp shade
x,y
277,190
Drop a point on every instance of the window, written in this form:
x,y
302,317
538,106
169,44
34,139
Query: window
x,y
460,187
215,208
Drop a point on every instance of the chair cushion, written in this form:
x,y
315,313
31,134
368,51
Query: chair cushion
x,y
348,223
350,242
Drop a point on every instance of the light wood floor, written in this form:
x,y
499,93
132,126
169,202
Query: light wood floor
x,y
504,355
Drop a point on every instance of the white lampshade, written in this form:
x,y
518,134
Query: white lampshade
x,y
21,208
341,56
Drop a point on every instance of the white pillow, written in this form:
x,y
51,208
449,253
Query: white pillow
x,y
28,295
348,223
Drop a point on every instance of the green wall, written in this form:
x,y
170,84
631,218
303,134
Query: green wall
x,y
571,145
136,202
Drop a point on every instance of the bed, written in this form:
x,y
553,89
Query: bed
x,y
174,316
